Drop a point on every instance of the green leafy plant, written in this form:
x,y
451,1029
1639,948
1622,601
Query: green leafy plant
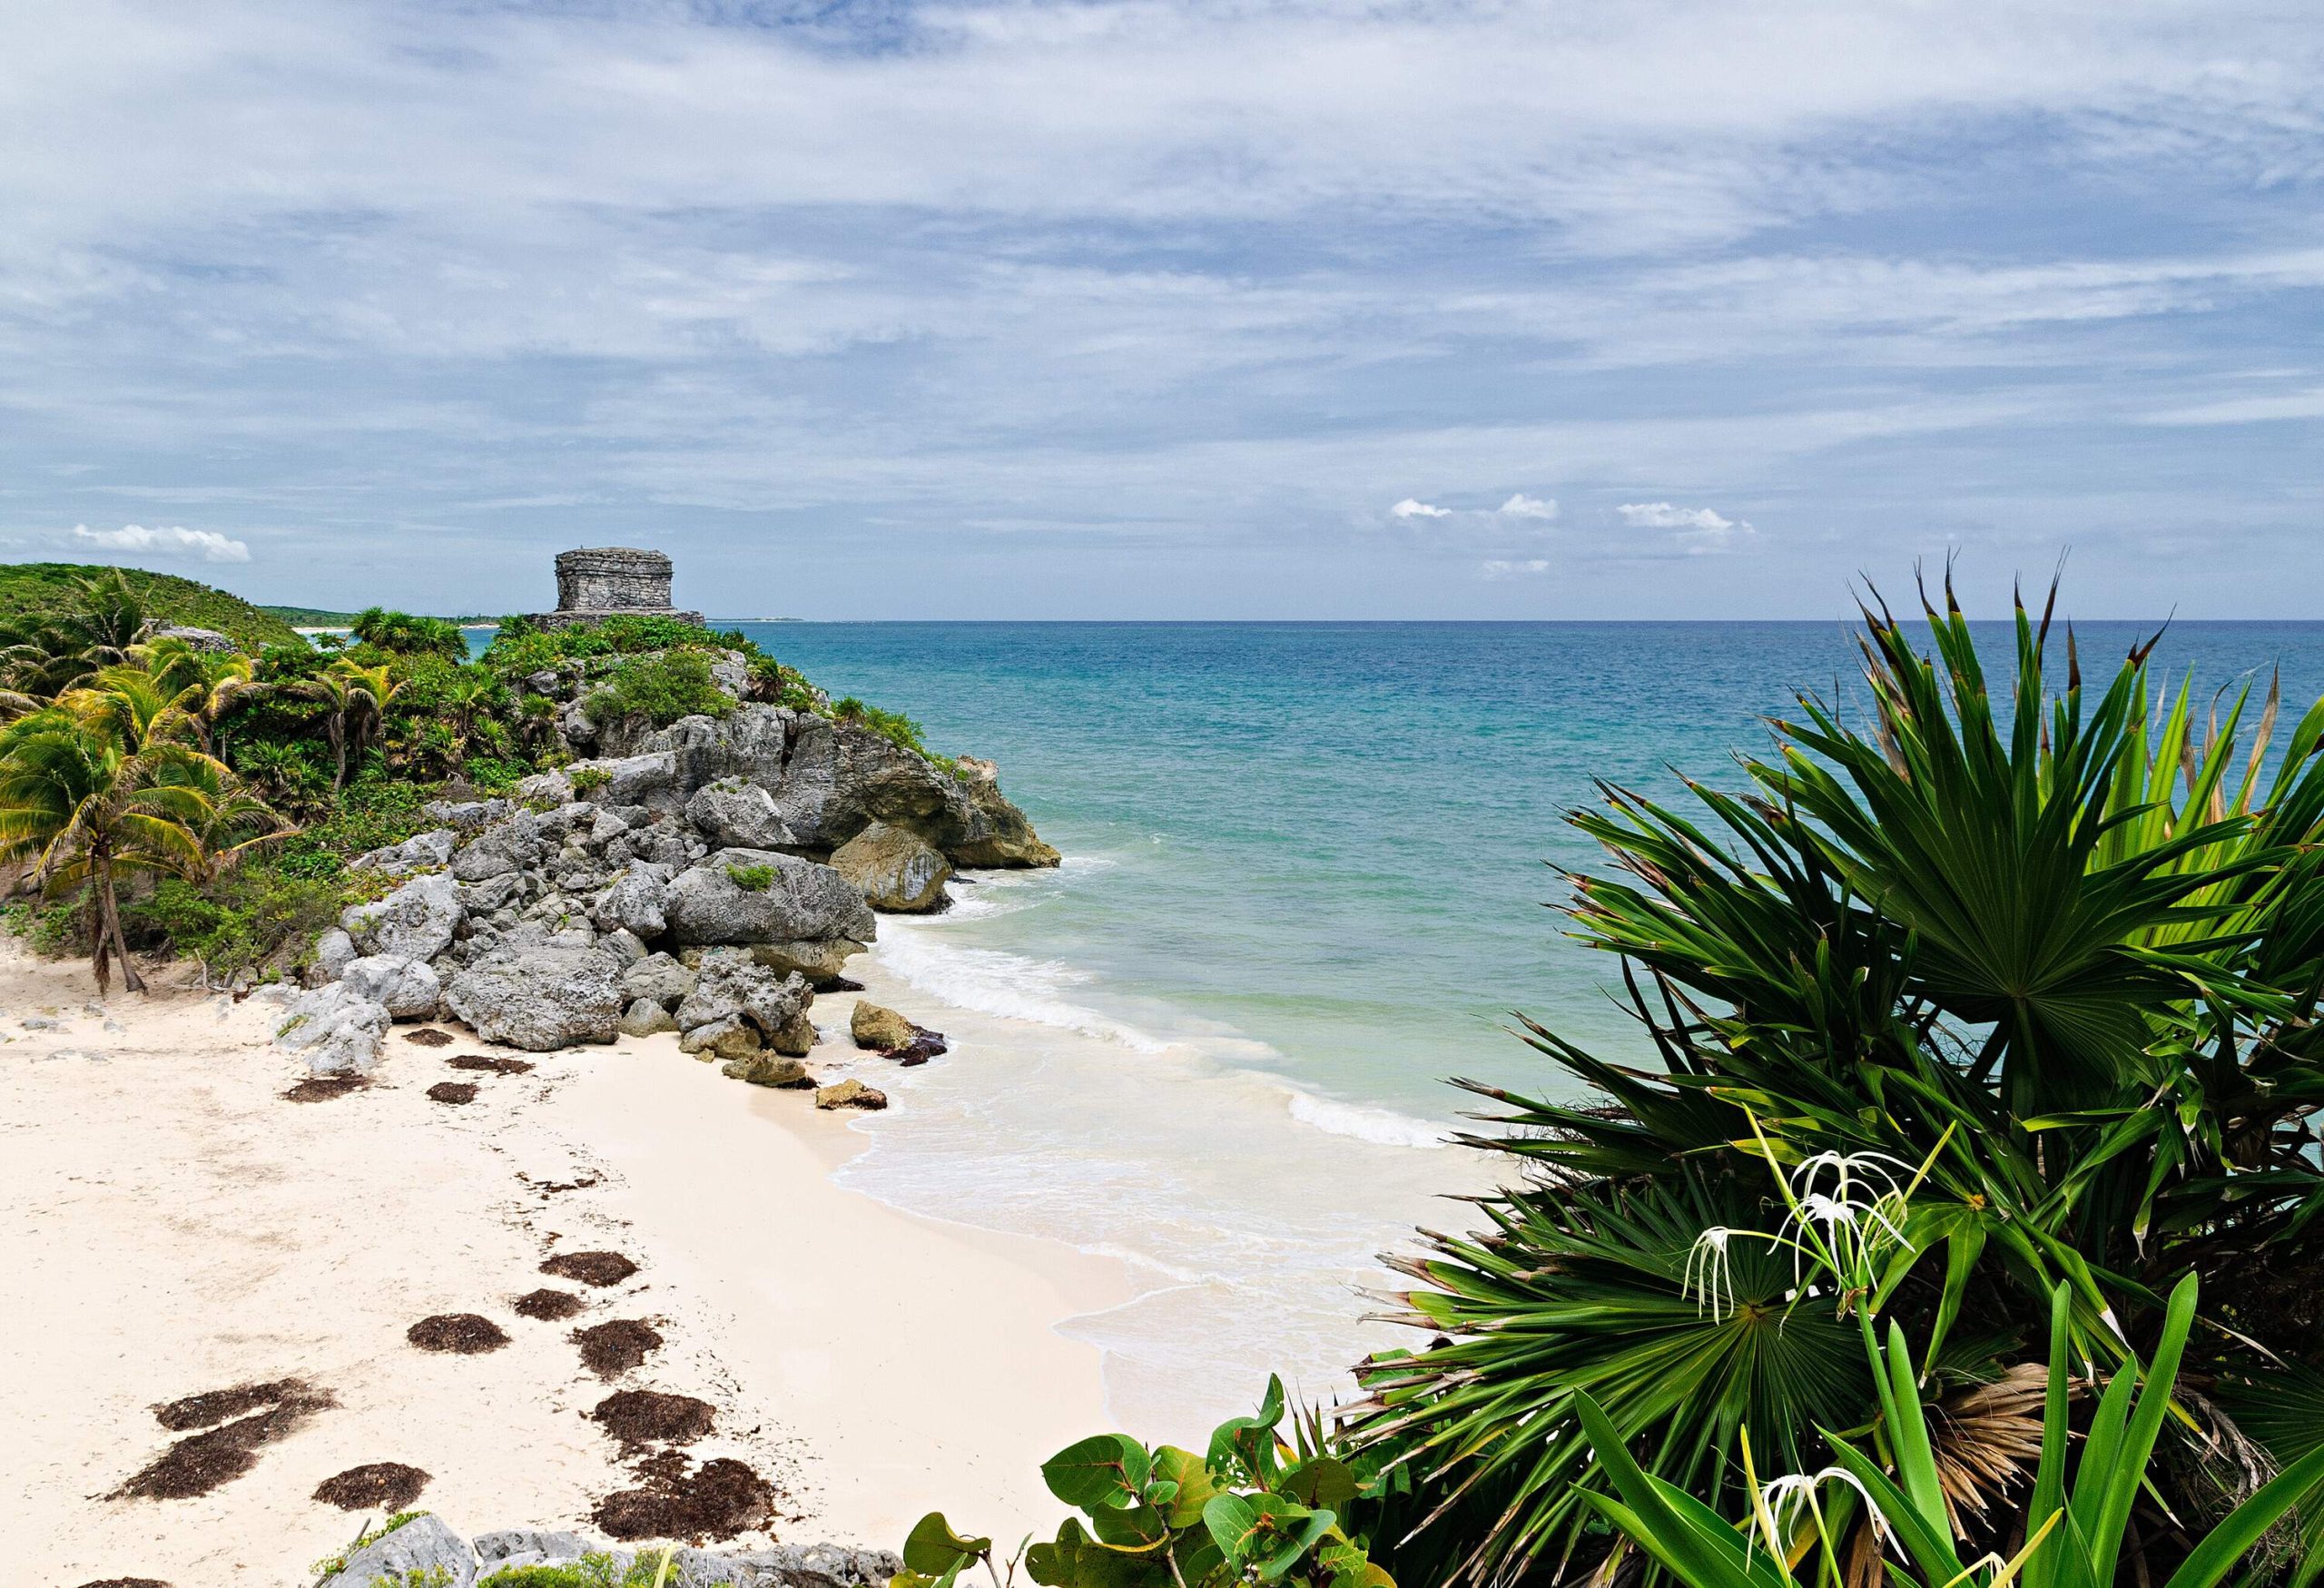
x,y
402,633
1250,1509
593,1570
756,879
588,780
661,688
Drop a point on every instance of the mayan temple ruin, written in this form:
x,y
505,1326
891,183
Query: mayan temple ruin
x,y
598,582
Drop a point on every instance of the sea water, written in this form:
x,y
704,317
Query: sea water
x,y
1311,870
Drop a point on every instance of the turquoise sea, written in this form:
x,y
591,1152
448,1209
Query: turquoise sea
x,y
1307,866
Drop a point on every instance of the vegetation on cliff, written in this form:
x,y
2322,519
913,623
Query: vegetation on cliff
x,y
39,591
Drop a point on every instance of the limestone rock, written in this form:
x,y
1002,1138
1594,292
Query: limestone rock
x,y
425,852
801,900
763,1070
821,960
897,870
335,1029
624,945
493,893
750,743
417,1552
540,998
729,982
879,1029
645,1018
849,1094
735,814
467,816
517,844
796,1039
333,950
415,921
658,977
728,1037
996,832
407,988
207,640
637,903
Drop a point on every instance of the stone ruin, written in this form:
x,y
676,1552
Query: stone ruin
x,y
598,582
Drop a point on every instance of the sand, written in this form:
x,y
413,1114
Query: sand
x,y
169,1226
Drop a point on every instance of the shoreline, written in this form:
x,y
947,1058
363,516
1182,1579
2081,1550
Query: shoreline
x,y
176,1228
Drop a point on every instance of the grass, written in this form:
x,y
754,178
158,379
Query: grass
x,y
756,879
593,1570
40,590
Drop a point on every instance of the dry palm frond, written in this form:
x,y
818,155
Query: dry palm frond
x,y
1987,1439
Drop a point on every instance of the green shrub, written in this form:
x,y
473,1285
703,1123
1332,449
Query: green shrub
x,y
402,634
661,688
595,1570
240,921
756,879
52,929
588,780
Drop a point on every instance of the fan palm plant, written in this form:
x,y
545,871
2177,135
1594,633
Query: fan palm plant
x,y
2053,945
104,782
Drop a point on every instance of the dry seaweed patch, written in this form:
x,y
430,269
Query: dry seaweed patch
x,y
126,1583
487,1061
612,1350
548,1306
200,1462
599,1268
381,1485
638,1417
676,1499
321,1088
426,1038
453,1091
463,1333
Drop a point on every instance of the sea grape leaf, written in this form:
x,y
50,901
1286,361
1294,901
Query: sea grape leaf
x,y
1296,1530
1051,1564
934,1548
1234,1523
1250,1442
1105,1470
1320,1480
1135,1530
1186,1469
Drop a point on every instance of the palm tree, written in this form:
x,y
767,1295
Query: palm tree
x,y
45,655
355,700
104,782
206,684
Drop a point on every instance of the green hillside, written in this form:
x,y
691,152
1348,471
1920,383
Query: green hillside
x,y
33,588
324,617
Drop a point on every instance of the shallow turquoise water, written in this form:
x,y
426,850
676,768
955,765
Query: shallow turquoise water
x,y
1334,839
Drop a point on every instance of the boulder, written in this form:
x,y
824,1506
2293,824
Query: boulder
x,y
996,832
796,1039
423,1550
730,1037
407,988
735,814
540,997
467,816
426,852
492,894
849,1094
644,1018
716,902
879,1029
658,977
763,1070
415,921
333,950
729,982
624,945
897,870
820,960
517,844
207,640
336,1030
636,904
750,743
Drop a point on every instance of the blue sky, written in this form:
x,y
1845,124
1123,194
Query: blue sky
x,y
1135,308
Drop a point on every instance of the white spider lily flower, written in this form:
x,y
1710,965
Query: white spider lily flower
x,y
1710,1276
1786,1498
1850,1208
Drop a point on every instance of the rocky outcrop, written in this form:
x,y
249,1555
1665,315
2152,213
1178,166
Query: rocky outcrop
x,y
897,870
645,1018
759,896
415,923
407,988
658,978
423,1550
733,814
737,1006
850,1094
540,998
879,1029
335,1029
428,851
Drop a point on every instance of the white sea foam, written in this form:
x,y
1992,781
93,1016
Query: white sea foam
x,y
997,982
1381,1127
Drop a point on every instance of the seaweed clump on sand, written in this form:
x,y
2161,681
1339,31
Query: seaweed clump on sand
x,y
611,1349
547,1305
248,1418
463,1334
599,1268
676,1499
380,1485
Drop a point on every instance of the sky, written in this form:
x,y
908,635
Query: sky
x,y
1172,309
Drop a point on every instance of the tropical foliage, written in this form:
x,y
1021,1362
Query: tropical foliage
x,y
2059,947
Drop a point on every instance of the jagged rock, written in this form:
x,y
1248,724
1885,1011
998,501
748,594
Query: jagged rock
x,y
200,639
517,844
540,998
750,743
796,1039
849,1094
801,900
645,1018
782,1565
820,960
415,921
335,1029
415,1552
762,1070
467,816
493,893
735,814
333,950
425,852
897,870
996,832
730,1037
637,901
658,977
879,1029
407,989
577,726
730,982
731,672
622,942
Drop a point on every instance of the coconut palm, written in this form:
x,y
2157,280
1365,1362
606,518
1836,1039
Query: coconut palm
x,y
206,684
105,783
2060,947
355,700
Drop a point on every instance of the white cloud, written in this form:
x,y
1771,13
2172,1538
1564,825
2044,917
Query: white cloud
x,y
1522,506
172,541
1663,516
1409,508
1501,569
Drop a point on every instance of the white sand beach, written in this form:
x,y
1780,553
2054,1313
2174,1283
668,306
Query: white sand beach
x,y
172,1225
